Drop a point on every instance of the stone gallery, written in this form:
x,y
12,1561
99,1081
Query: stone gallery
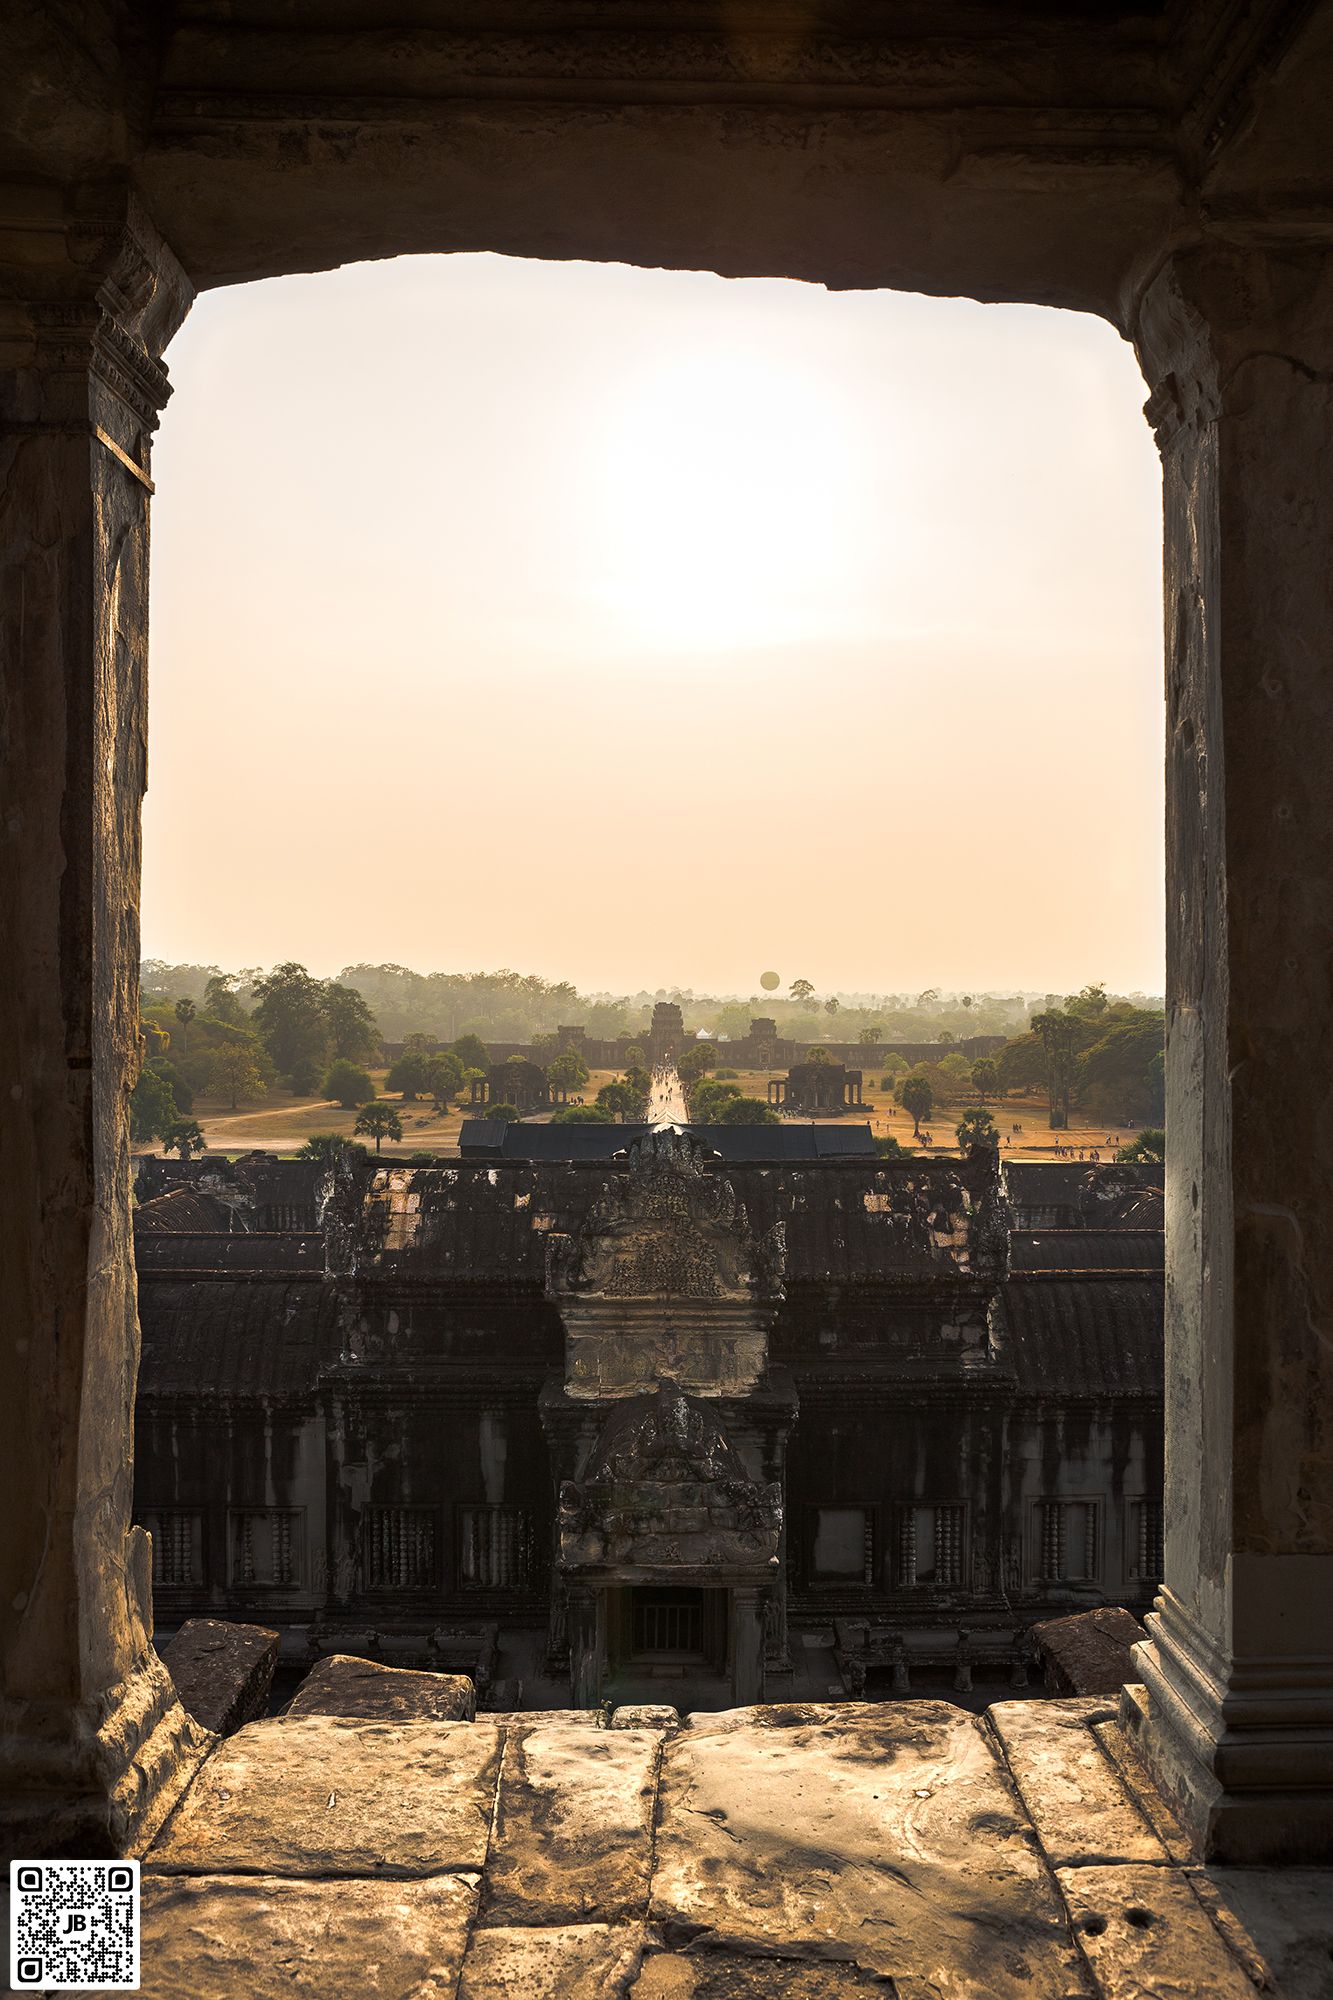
x,y
1165,165
649,1418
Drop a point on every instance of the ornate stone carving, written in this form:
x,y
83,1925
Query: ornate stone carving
x,y
664,1489
667,1228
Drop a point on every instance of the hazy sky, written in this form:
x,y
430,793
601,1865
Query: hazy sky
x,y
644,627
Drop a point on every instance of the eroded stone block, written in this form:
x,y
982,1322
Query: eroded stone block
x,y
568,1962
729,1975
1146,1934
368,1691
1069,1787
573,1829
323,1796
646,1715
1088,1652
267,1936
223,1672
886,1835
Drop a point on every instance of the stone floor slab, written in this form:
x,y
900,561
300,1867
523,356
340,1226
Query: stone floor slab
x,y
884,1834
1073,1794
322,1796
729,1975
565,1962
1279,1920
573,1828
1147,1937
206,1937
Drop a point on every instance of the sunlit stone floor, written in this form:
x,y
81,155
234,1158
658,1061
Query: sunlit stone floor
x,y
795,1852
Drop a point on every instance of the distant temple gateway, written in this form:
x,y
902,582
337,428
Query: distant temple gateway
x,y
819,1089
654,1413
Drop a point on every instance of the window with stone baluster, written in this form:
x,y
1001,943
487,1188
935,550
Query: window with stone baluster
x,y
1065,1541
1145,1541
267,1545
398,1548
931,1544
178,1546
495,1548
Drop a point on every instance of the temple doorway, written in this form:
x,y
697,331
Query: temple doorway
x,y
667,1629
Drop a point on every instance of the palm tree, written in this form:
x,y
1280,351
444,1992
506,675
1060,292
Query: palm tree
x,y
185,1014
379,1120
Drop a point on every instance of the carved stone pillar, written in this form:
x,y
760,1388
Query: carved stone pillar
x,y
92,1738
1237,1720
747,1646
587,1645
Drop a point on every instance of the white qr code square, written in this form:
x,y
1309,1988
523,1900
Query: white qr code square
x,y
74,1926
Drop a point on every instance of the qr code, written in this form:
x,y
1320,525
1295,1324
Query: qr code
x,y
74,1926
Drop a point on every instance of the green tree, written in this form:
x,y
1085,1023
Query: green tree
x,y
156,1039
184,1136
351,1030
888,1148
1150,1146
567,1073
869,1036
696,1061
347,1085
411,1074
220,1003
818,1054
619,1098
234,1072
801,990
180,1088
916,1097
976,1128
329,1148
185,1012
445,1079
1090,1003
1057,1032
1121,1073
471,1052
955,1075
153,1107
748,1111
636,1056
504,1114
709,1099
985,1077
292,1024
1021,1064
831,1004
583,1114
379,1120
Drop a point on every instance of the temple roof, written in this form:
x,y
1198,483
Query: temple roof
x,y
1086,1336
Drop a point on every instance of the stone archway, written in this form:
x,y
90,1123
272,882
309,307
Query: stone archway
x,y
1169,172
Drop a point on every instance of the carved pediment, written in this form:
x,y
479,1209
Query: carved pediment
x,y
666,1227
665,1489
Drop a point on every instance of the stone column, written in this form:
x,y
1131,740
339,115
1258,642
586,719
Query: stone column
x,y
747,1646
1237,1719
92,1738
587,1645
